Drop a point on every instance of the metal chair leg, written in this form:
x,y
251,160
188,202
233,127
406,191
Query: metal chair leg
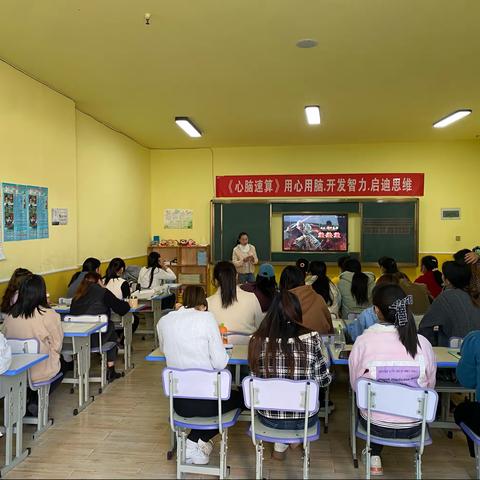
x,y
259,460
368,460
306,461
418,465
477,461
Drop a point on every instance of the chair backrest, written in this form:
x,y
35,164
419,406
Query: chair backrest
x,y
197,384
395,399
24,345
87,319
281,394
455,342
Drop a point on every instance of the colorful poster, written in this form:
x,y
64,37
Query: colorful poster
x,y
322,185
178,218
25,212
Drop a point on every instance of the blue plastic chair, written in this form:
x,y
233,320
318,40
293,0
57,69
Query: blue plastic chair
x,y
476,443
200,385
419,404
42,421
281,394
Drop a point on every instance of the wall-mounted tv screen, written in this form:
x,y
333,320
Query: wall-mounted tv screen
x,y
315,233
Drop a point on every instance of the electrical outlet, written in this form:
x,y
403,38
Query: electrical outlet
x,y
458,238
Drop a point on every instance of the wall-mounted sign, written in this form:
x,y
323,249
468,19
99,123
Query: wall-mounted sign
x,y
322,185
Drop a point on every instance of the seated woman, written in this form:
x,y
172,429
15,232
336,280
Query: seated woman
x,y
264,287
92,298
190,338
431,277
115,282
368,317
156,273
387,265
315,313
11,293
456,311
325,287
32,317
355,288
238,310
468,374
391,343
283,348
89,265
419,293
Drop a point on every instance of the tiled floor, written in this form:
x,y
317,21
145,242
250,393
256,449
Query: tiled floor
x,y
124,434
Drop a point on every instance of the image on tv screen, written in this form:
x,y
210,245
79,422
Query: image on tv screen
x,y
315,233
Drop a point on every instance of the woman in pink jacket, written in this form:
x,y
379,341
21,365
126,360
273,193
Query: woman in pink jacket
x,y
391,351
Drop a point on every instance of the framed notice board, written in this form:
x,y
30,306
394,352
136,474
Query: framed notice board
x,y
390,228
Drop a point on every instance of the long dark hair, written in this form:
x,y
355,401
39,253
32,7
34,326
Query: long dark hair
x,y
32,296
194,296
18,277
460,276
153,263
89,279
266,285
388,264
89,265
115,265
322,284
384,296
281,323
431,265
225,277
359,287
240,235
303,264
291,277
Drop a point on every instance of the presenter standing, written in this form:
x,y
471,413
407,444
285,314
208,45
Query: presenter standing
x,y
244,257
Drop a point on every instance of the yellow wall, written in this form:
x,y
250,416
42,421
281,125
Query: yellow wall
x,y
101,176
113,192
37,147
182,179
450,179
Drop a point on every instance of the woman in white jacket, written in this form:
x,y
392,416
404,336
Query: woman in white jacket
x,y
190,338
325,287
156,273
244,257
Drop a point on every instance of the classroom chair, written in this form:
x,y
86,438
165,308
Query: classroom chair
x,y
102,348
394,399
200,385
284,395
476,443
32,345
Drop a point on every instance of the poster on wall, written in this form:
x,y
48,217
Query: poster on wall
x,y
25,212
178,218
59,216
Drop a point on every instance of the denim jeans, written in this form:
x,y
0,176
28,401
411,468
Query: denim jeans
x,y
286,424
385,432
246,277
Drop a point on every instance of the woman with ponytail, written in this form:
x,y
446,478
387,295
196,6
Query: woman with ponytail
x,y
392,351
456,311
156,273
431,276
355,288
283,347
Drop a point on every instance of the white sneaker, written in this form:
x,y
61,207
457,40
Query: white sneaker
x,y
376,465
198,453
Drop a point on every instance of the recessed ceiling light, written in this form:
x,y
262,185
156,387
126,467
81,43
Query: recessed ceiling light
x,y
307,43
188,127
451,118
313,114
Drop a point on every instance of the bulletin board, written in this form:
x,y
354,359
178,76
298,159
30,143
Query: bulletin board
x,y
25,212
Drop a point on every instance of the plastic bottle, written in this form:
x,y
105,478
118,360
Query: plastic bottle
x,y
223,333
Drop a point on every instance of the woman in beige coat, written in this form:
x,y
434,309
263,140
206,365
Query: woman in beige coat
x,y
31,317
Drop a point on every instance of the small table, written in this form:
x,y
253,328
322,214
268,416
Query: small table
x,y
80,334
239,355
13,388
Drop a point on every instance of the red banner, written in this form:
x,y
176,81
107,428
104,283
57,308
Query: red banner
x,y
322,185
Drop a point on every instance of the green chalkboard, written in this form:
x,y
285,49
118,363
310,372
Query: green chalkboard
x,y
229,219
390,228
